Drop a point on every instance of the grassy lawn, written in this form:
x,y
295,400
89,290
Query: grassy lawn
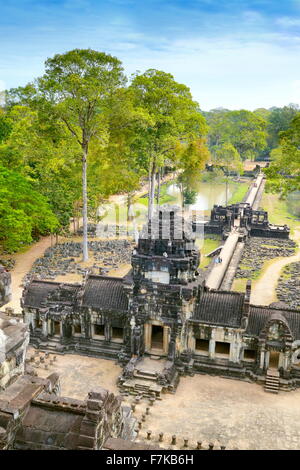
x,y
239,192
164,197
278,211
206,246
239,285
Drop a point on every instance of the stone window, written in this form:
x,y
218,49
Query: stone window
x,y
201,346
222,348
38,323
99,331
77,329
249,354
117,334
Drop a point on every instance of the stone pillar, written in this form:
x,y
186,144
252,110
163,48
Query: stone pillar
x,y
262,359
285,360
147,336
45,327
166,339
107,330
267,360
211,349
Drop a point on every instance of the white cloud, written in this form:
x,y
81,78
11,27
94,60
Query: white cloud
x,y
288,21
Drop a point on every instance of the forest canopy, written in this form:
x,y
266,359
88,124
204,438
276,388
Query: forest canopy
x,y
128,131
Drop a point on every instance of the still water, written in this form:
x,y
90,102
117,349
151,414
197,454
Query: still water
x,y
208,194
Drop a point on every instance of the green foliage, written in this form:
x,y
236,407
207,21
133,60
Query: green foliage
x,y
284,171
228,157
279,120
170,117
24,213
5,126
245,130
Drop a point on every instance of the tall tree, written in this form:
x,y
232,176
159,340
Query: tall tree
x,y
172,118
76,89
245,130
279,120
24,213
284,171
229,158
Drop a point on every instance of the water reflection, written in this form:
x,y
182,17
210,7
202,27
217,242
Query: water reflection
x,y
208,194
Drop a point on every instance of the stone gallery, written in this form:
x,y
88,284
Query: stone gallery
x,y
161,321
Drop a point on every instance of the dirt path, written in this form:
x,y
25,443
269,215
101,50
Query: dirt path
x,y
264,289
24,262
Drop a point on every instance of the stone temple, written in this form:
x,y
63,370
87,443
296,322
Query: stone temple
x,y
161,321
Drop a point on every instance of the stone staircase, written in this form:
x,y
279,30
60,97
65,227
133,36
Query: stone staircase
x,y
272,381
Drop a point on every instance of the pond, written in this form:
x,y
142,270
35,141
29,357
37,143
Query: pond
x,y
208,194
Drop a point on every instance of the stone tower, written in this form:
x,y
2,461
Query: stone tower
x,y
162,286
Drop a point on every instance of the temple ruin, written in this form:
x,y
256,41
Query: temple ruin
x,y
161,321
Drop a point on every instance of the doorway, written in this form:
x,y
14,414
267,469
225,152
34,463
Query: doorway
x,y
157,337
56,328
274,359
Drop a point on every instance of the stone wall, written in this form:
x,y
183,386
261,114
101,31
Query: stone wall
x,y
14,338
5,286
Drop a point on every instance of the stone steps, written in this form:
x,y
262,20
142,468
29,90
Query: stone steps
x,y
272,381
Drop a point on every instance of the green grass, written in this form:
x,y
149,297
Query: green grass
x,y
164,196
239,285
206,246
278,211
239,192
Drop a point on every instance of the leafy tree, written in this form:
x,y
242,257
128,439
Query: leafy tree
x,y
228,157
50,159
76,90
284,171
171,118
5,126
245,130
24,213
191,161
279,120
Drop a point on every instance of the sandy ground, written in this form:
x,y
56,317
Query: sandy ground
x,y
264,289
79,374
204,408
233,413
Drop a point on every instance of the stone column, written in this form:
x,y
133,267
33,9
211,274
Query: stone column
x,y
211,349
107,330
45,327
166,338
267,359
262,359
147,336
285,361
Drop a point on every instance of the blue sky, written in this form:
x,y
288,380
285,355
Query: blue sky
x,y
235,54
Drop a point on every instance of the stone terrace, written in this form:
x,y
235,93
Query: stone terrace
x,y
236,414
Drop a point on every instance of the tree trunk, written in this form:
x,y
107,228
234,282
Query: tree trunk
x,y
158,187
226,196
151,193
85,251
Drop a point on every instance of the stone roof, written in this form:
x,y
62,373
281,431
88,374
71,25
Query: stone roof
x,y
37,292
223,308
259,316
43,428
103,292
12,334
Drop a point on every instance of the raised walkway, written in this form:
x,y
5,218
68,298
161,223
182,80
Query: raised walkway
x,y
218,273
